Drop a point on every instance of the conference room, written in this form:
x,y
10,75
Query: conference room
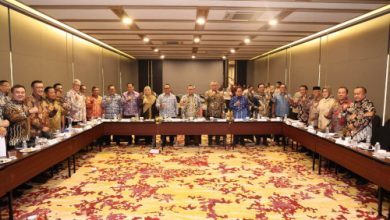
x,y
201,109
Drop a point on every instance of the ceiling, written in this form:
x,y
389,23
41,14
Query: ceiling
x,y
170,24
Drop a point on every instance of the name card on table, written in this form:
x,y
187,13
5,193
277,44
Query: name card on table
x,y
3,147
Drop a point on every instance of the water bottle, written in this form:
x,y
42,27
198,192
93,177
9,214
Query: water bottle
x,y
368,140
377,146
285,117
24,144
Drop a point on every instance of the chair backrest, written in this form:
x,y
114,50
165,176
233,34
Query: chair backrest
x,y
376,129
385,136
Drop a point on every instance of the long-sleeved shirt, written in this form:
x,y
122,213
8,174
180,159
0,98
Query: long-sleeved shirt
x,y
359,116
215,103
239,111
130,107
190,105
40,119
282,105
94,107
4,99
19,130
262,103
77,110
167,105
112,105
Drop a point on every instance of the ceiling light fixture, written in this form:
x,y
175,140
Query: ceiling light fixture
x,y
196,39
224,57
162,56
156,50
146,39
193,56
247,40
273,22
127,20
201,21
232,50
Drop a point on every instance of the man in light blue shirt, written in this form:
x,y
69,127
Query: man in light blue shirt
x,y
281,107
167,105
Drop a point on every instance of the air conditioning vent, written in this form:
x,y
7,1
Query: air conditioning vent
x,y
239,16
172,42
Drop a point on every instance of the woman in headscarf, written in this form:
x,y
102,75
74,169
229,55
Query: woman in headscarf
x,y
148,109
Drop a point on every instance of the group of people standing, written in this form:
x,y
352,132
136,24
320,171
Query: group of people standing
x,y
48,109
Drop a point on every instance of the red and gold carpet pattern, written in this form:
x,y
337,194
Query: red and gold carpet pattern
x,y
197,183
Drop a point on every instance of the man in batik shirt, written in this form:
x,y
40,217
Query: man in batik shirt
x,y
94,104
112,107
301,103
4,99
39,122
263,99
338,112
131,108
54,109
190,106
17,112
166,103
215,107
312,105
359,115
76,103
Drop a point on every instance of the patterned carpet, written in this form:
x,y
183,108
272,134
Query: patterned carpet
x,y
197,183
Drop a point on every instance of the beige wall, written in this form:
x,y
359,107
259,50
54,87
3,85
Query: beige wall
x,y
41,51
354,56
4,45
199,73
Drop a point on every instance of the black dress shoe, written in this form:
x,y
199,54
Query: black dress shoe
x,y
17,193
361,182
25,186
348,175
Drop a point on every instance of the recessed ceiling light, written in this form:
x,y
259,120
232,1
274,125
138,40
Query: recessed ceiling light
x,y
201,21
155,50
247,40
232,50
273,22
127,20
146,39
193,56
224,57
162,56
196,39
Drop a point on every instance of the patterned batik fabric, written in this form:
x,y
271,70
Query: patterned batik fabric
x,y
130,107
77,105
40,119
112,105
94,107
263,100
359,116
56,113
19,128
338,115
169,103
190,105
215,104
313,112
4,99
239,111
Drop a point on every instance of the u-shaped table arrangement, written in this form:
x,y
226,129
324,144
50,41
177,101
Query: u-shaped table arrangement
x,y
27,166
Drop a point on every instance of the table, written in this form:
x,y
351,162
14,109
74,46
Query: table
x,y
27,166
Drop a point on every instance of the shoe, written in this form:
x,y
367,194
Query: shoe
x,y
17,193
348,175
25,186
361,182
